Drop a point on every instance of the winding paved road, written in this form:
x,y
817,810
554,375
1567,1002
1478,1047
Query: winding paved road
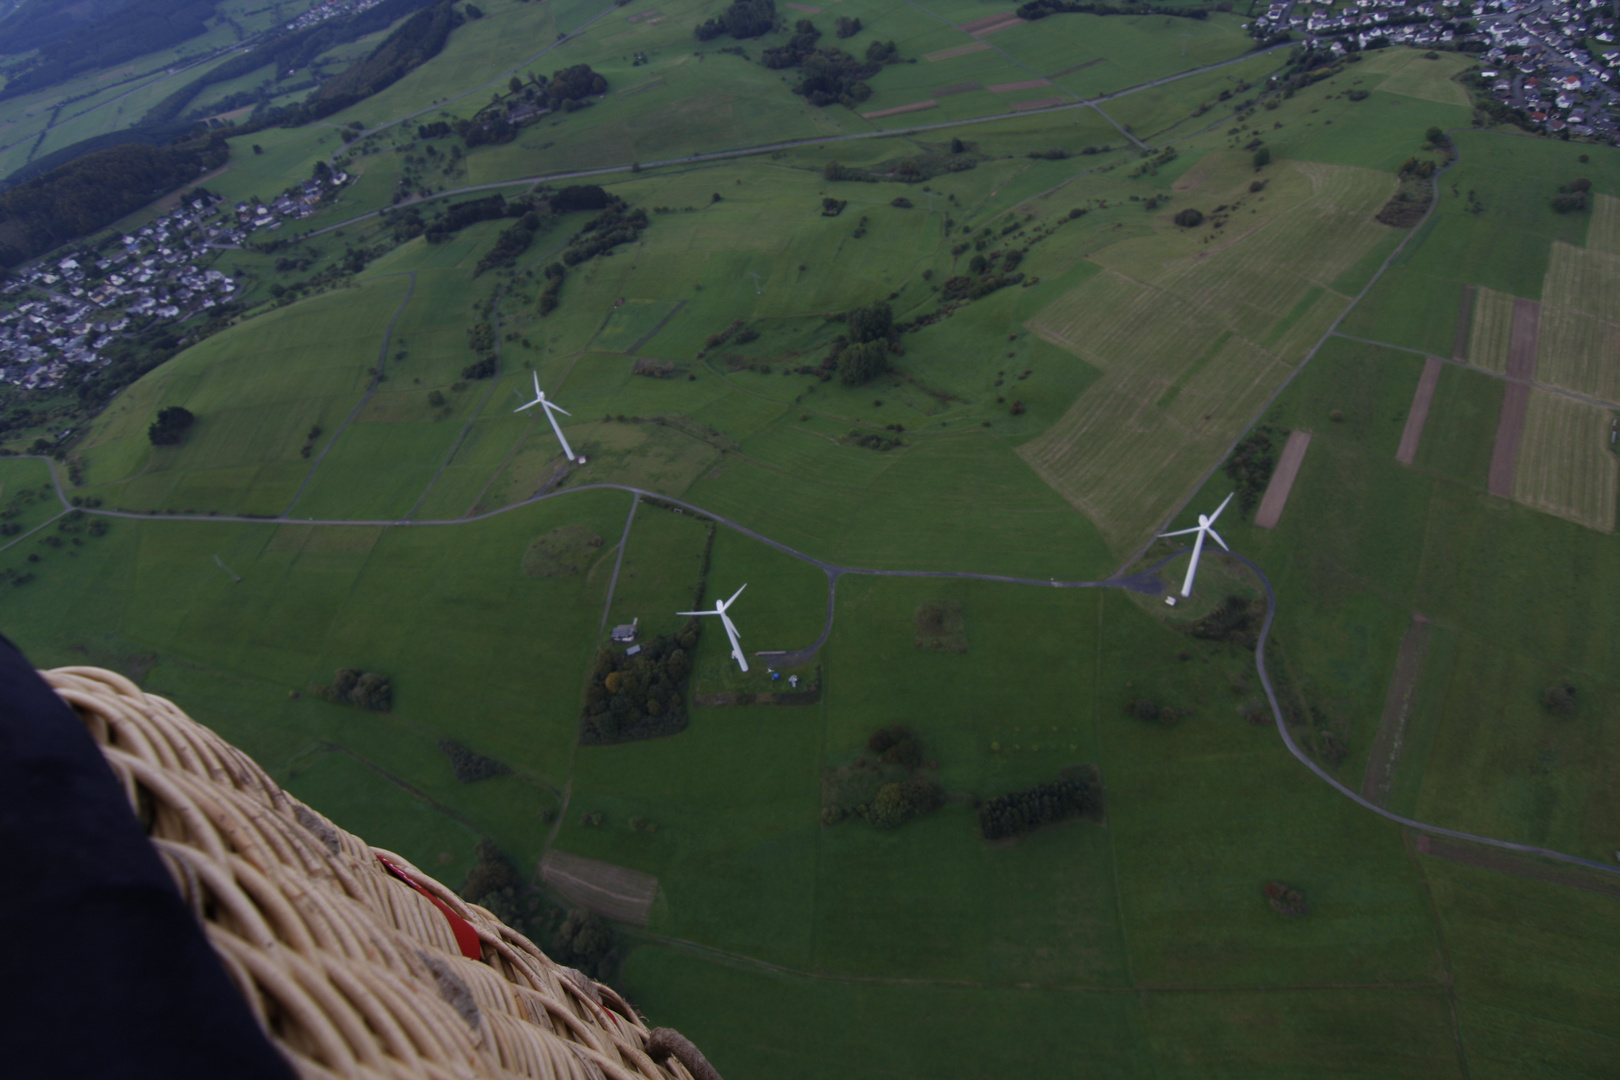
x,y
1146,581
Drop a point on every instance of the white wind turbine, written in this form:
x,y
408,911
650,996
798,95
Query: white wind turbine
x,y
725,620
1205,527
550,408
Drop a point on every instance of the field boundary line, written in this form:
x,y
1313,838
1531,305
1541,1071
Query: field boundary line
x,y
1467,365
1516,400
371,388
737,959
36,528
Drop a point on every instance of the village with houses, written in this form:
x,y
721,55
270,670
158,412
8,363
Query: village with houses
x,y
1538,57
59,316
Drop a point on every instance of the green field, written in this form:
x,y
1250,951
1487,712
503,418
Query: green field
x,y
355,493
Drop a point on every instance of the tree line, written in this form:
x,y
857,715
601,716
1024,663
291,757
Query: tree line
x,y
1043,804
142,27
86,195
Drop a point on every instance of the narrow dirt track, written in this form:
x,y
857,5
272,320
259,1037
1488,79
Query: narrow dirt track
x,y
1465,323
1282,479
1516,398
1418,415
1386,749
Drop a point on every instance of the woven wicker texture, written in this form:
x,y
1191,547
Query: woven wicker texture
x,y
349,970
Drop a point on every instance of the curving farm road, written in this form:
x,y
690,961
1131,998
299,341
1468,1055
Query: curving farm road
x,y
1146,581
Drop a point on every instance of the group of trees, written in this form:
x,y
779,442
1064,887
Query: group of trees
x,y
470,766
90,193
618,224
418,40
641,696
65,50
514,241
364,689
1250,466
1572,196
741,19
1027,810
566,90
170,426
862,354
1040,9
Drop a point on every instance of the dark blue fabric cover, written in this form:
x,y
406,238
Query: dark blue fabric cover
x,y
104,971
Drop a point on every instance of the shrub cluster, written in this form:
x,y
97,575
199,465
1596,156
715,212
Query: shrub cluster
x,y
898,745
585,942
1283,899
1027,810
1559,699
641,696
364,689
897,803
491,873
469,766
1234,621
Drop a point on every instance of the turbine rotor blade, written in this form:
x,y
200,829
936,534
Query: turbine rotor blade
x,y
1217,538
697,613
1221,507
736,594
736,648
538,393
1182,532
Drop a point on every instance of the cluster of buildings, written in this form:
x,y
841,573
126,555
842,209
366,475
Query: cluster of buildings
x,y
330,9
1536,54
59,315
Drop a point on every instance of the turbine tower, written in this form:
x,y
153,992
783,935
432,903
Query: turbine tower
x,y
549,408
1205,527
720,607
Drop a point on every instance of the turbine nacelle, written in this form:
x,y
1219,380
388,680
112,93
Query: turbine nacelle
x,y
549,408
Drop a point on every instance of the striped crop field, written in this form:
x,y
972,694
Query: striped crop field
x,y
1580,322
1603,234
1492,330
1190,355
1565,465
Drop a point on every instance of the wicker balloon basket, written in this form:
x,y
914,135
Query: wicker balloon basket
x,y
354,962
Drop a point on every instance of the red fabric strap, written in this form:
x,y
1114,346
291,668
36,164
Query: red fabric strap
x,y
466,936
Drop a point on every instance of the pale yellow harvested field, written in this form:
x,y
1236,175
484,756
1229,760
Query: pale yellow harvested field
x,y
1603,234
1184,372
1427,79
1580,323
1492,330
1255,282
1565,465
